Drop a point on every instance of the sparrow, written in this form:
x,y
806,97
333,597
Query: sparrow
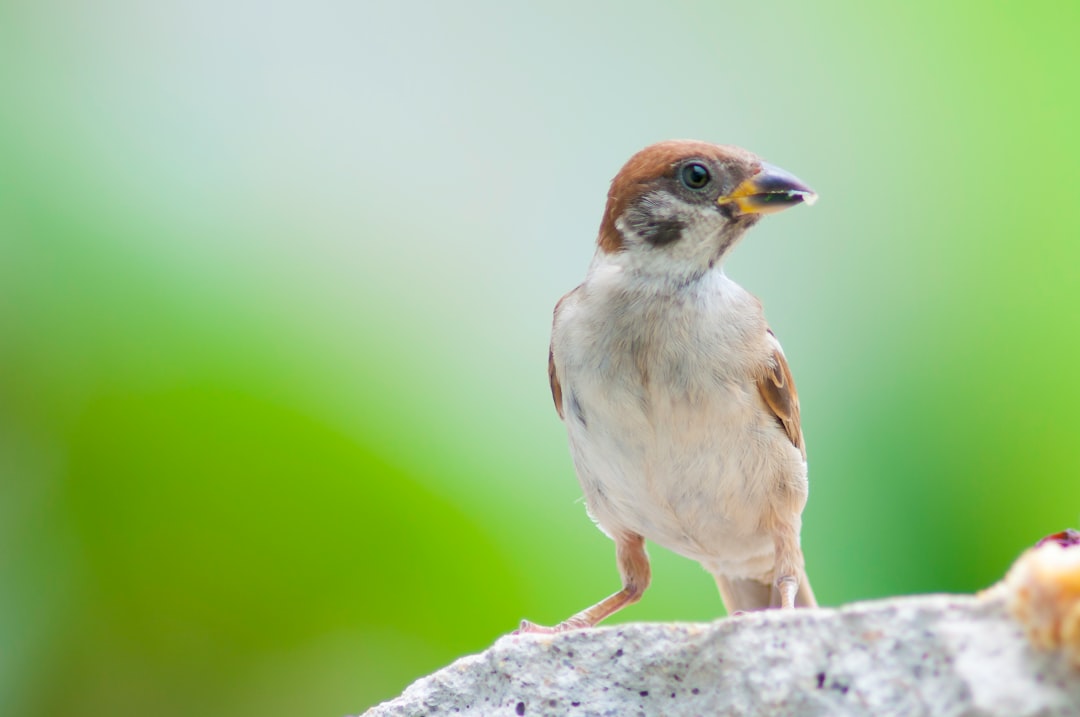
x,y
679,406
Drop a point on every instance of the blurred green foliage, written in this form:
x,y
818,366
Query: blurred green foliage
x,y
276,282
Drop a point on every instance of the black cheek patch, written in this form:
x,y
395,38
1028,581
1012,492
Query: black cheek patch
x,y
661,232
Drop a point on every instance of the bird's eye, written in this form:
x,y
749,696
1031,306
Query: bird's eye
x,y
695,175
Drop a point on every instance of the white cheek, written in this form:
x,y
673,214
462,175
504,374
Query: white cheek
x,y
693,252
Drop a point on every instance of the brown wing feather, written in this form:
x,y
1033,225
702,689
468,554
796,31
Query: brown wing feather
x,y
556,388
778,389
553,376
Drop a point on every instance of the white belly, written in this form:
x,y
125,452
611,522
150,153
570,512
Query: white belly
x,y
668,432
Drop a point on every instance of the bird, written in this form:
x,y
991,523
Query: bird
x,y
679,406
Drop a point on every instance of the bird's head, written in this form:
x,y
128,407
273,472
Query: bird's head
x,y
677,207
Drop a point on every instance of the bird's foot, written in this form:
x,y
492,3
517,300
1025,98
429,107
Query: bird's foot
x,y
788,587
531,628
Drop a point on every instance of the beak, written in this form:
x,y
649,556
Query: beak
x,y
769,191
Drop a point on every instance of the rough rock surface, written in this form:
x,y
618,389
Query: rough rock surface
x,y
960,656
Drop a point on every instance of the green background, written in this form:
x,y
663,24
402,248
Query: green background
x,y
276,282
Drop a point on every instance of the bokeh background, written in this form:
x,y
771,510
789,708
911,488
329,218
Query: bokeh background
x,y
275,291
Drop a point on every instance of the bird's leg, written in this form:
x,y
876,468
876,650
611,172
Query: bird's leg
x,y
788,586
788,573
782,521
633,566
787,564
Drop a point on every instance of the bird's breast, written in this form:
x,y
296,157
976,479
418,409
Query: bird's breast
x,y
667,429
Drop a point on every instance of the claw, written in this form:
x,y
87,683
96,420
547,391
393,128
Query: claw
x,y
527,628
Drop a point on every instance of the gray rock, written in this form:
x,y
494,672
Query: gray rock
x,y
960,656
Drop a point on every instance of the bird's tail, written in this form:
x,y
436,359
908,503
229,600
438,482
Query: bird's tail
x,y
747,594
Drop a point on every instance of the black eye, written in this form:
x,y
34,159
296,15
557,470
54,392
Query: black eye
x,y
695,175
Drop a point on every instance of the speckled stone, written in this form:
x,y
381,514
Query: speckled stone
x,y
960,656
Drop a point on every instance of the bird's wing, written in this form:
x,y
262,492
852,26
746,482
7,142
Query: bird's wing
x,y
553,376
778,389
556,389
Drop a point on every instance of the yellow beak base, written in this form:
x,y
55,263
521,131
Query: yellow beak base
x,y
769,191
